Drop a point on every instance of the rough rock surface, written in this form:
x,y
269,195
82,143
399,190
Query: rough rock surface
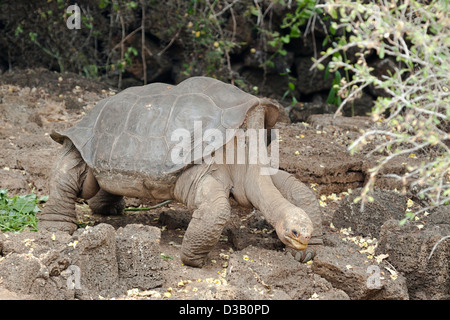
x,y
139,263
259,273
86,265
386,205
422,254
361,280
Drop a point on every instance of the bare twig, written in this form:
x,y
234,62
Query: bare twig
x,y
435,246
228,6
226,50
122,48
162,204
170,43
125,38
144,63
350,96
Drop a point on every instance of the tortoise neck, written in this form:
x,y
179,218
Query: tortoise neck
x,y
264,196
258,186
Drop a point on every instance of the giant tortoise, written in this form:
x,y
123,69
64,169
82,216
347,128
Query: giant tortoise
x,y
125,146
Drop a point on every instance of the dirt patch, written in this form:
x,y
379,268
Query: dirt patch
x,y
136,255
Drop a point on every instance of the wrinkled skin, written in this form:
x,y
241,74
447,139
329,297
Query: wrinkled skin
x,y
286,203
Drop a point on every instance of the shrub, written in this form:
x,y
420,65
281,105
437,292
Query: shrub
x,y
413,113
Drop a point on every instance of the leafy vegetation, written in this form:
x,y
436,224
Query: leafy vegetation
x,y
204,29
18,213
302,12
413,112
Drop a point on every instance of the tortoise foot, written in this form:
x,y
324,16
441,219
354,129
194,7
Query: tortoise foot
x,y
54,226
196,261
305,255
107,204
110,210
309,253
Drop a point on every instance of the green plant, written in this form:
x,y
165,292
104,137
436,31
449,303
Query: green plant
x,y
165,257
90,71
291,86
338,90
290,29
203,25
127,59
54,54
292,22
413,115
19,212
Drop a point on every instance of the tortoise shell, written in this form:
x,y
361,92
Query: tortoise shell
x,y
132,131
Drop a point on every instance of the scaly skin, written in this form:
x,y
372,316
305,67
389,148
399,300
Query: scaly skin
x,y
204,189
211,208
68,176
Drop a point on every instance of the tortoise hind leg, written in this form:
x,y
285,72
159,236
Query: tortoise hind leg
x,y
211,212
301,196
105,203
66,185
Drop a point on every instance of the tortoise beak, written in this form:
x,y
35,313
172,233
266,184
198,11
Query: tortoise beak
x,y
296,243
298,240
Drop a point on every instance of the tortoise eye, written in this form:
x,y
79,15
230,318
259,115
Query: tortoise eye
x,y
294,232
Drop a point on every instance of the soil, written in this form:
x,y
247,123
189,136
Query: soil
x,y
249,262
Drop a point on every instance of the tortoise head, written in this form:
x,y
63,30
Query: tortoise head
x,y
295,228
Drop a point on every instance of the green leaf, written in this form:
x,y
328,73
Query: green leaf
x,y
103,4
133,51
337,78
3,193
333,28
273,43
286,39
332,12
165,257
283,52
25,204
42,199
294,100
295,32
331,99
132,5
327,72
33,36
255,11
381,53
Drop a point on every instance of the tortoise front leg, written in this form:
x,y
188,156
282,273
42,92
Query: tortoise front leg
x,y
66,184
107,204
211,212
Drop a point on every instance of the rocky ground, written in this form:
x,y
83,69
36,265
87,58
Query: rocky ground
x,y
136,256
